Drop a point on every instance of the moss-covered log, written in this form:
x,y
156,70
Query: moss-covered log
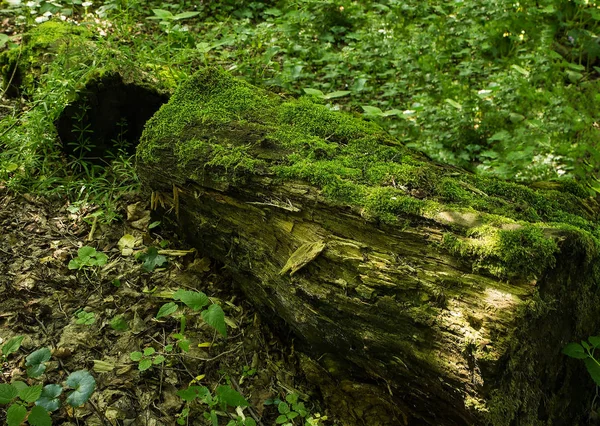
x,y
419,293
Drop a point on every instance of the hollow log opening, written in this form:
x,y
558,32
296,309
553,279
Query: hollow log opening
x,y
107,118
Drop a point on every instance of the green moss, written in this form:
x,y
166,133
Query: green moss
x,y
225,125
39,47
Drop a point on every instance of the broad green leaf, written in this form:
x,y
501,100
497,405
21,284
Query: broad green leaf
x,y
595,341
231,397
145,364
84,384
39,417
86,252
215,317
516,118
281,419
3,40
292,398
371,110
594,369
283,408
520,70
193,299
453,103
49,398
12,345
391,112
185,15
7,393
15,415
36,361
249,422
19,385
314,92
502,135
273,12
75,264
162,14
118,323
292,415
585,345
159,359
575,350
337,94
101,259
184,345
193,392
149,351
30,393
136,356
166,309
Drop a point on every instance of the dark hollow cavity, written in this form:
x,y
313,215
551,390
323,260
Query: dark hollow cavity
x,y
107,119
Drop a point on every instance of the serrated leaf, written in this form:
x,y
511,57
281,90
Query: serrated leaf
x,y
184,345
283,408
149,351
337,94
38,416
135,356
371,110
7,393
12,345
145,364
281,419
30,393
166,309
84,384
193,299
231,397
49,398
158,359
314,92
15,415
575,350
215,317
36,361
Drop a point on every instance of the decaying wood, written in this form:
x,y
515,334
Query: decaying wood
x,y
394,326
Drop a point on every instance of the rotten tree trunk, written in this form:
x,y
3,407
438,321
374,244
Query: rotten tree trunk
x,y
421,294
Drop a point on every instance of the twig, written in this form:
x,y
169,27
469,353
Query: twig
x,y
250,409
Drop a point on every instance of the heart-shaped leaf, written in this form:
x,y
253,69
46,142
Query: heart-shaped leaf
x,y
36,361
84,384
215,317
231,397
49,398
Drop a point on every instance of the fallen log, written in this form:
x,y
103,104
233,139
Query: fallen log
x,y
419,293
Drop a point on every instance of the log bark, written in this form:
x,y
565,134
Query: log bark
x,y
419,293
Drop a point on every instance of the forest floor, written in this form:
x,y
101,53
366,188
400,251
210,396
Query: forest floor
x,y
95,317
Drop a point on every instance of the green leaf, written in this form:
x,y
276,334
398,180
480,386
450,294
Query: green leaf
x,y
36,361
15,415
520,70
30,393
152,259
314,92
75,264
283,408
337,94
49,398
231,397
371,110
39,417
159,359
12,345
7,393
84,384
516,118
595,341
184,345
594,369
118,323
292,398
101,259
162,14
135,356
215,317
145,364
185,15
166,309
281,419
575,350
292,415
193,392
585,345
453,103
3,40
154,224
149,351
392,112
193,299
86,252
